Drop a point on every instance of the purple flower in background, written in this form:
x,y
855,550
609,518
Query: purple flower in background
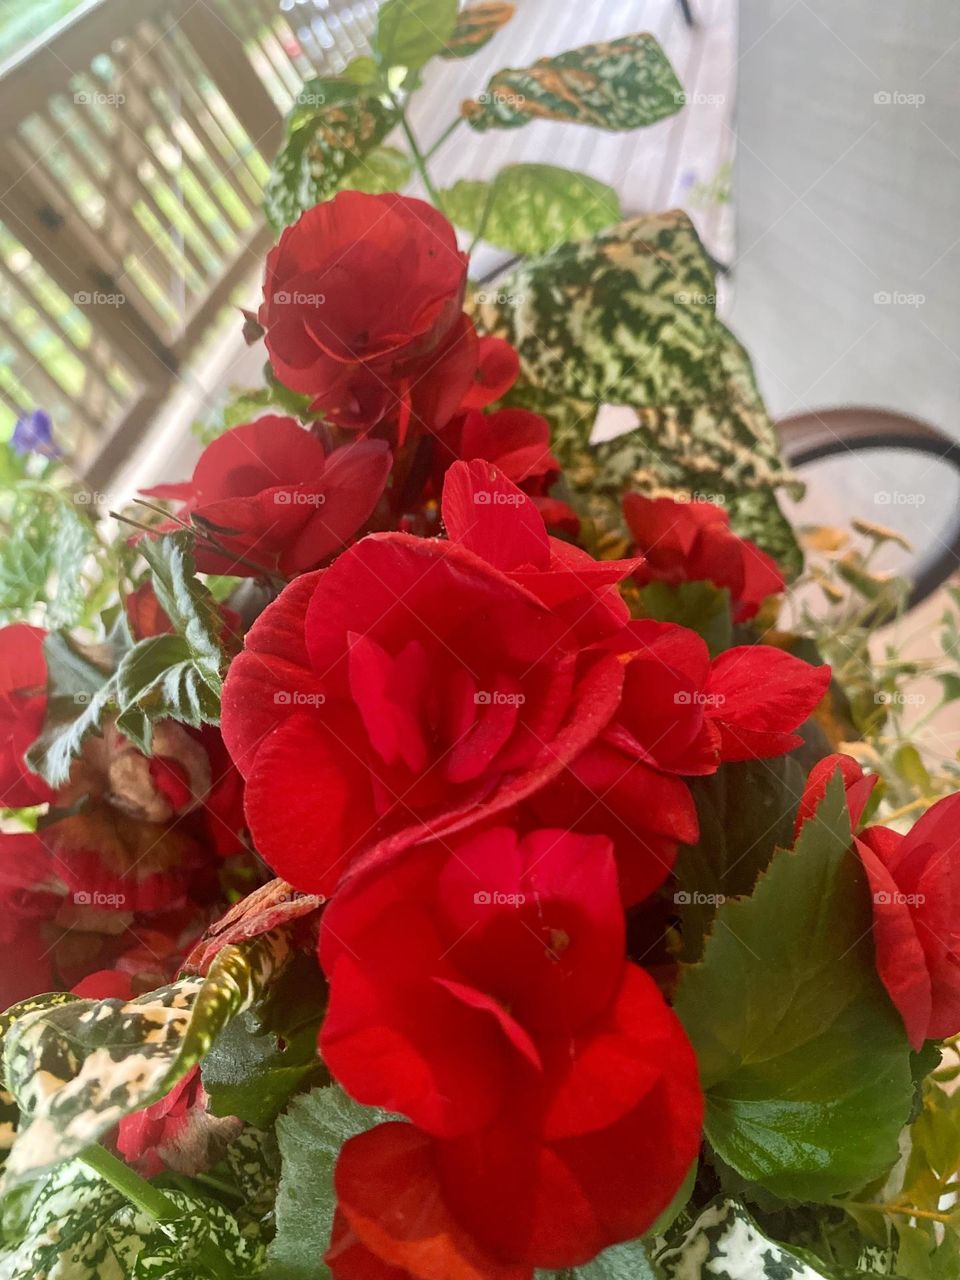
x,y
33,433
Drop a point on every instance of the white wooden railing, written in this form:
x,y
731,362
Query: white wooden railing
x,y
136,140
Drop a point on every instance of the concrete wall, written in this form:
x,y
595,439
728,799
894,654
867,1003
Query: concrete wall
x,y
848,190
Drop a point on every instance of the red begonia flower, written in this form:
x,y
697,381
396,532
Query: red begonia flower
x,y
30,893
680,715
362,309
414,688
393,1222
417,1021
915,883
105,984
23,707
517,442
498,366
271,494
858,787
497,1011
486,512
176,1132
693,542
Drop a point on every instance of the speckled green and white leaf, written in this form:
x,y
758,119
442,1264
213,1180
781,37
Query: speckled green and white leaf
x,y
726,1244
75,1071
253,1157
149,1250
81,1228
9,1111
628,318
326,142
63,1240
618,84
476,25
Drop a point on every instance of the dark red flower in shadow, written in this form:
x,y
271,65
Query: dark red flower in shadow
x,y
275,500
23,707
693,542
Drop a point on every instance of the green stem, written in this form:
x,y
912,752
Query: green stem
x,y
417,155
151,1201
484,217
454,125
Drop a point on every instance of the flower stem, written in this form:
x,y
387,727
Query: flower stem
x,y
907,1210
419,160
151,1201
453,125
921,803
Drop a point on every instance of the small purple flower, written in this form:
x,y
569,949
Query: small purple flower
x,y
33,433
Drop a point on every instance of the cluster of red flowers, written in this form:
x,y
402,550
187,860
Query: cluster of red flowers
x,y
127,858
472,747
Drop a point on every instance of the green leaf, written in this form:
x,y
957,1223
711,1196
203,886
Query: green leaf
x,y
334,127
270,1051
629,1261
908,763
700,606
77,1069
248,1074
745,811
385,169
726,1244
46,541
81,1228
9,1111
529,208
169,676
65,732
803,1059
411,32
619,84
950,685
476,26
311,1133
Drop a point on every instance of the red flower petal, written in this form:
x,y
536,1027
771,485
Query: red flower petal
x,y
389,1195
758,695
